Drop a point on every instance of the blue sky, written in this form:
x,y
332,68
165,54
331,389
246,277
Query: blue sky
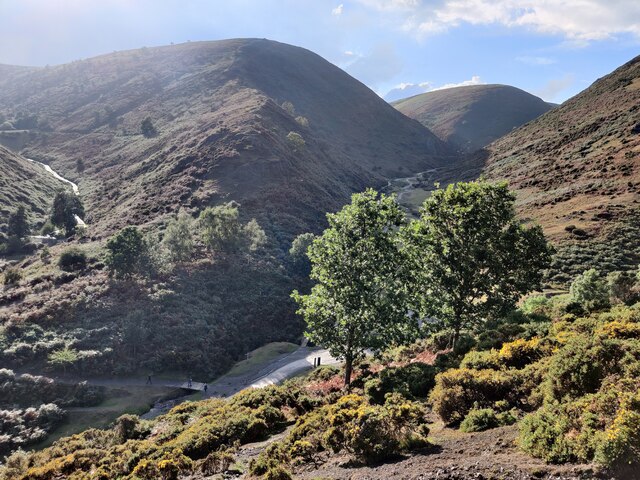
x,y
552,48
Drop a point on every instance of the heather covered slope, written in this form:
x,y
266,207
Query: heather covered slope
x,y
24,183
470,117
576,170
221,132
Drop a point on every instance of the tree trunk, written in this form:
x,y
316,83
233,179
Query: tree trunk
x,y
348,367
456,336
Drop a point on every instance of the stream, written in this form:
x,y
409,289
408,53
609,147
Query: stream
x,y
57,176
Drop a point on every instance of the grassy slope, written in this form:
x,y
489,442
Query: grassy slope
x,y
471,117
576,171
23,183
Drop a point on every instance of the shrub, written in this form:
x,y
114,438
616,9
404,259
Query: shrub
x,y
458,390
590,291
296,141
412,380
72,259
478,420
147,128
12,276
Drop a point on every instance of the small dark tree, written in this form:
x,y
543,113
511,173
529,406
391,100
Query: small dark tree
x,y
72,259
18,226
126,253
66,206
147,128
472,258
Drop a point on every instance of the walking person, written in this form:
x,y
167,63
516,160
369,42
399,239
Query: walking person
x,y
148,379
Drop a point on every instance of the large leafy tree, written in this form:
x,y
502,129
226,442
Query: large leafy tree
x,y
126,253
472,258
359,299
66,206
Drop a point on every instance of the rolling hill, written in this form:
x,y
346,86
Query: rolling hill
x,y
576,171
223,112
470,117
274,127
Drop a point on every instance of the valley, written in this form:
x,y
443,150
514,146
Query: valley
x,y
464,262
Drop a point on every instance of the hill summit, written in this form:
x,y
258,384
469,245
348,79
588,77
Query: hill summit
x,y
470,117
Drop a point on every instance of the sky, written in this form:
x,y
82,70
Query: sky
x,y
551,48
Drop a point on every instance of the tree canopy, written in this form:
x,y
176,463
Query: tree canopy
x,y
359,301
66,206
472,258
18,226
126,253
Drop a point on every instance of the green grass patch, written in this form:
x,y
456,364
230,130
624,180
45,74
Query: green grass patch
x,y
260,356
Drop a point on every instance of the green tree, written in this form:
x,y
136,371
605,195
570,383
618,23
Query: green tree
x,y
18,226
254,235
359,300
64,358
222,230
296,141
220,227
590,290
66,206
298,252
621,287
147,128
178,238
472,258
126,253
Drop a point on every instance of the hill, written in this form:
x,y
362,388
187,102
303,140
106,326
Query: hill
x,y
470,117
274,127
24,183
576,171
223,112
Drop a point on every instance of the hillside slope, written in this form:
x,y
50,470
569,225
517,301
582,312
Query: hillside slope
x,y
576,170
223,114
222,132
470,117
24,183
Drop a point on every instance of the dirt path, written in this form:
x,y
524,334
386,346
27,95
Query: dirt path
x,y
458,456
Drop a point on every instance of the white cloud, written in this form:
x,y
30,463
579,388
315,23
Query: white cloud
x,y
336,12
552,90
380,65
535,61
474,80
579,21
404,90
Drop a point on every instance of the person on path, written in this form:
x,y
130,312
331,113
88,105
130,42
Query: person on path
x,y
148,379
206,387
189,383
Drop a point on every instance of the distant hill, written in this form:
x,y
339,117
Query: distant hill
x,y
221,132
468,118
576,170
24,183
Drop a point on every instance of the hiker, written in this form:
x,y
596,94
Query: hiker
x,y
148,379
206,387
